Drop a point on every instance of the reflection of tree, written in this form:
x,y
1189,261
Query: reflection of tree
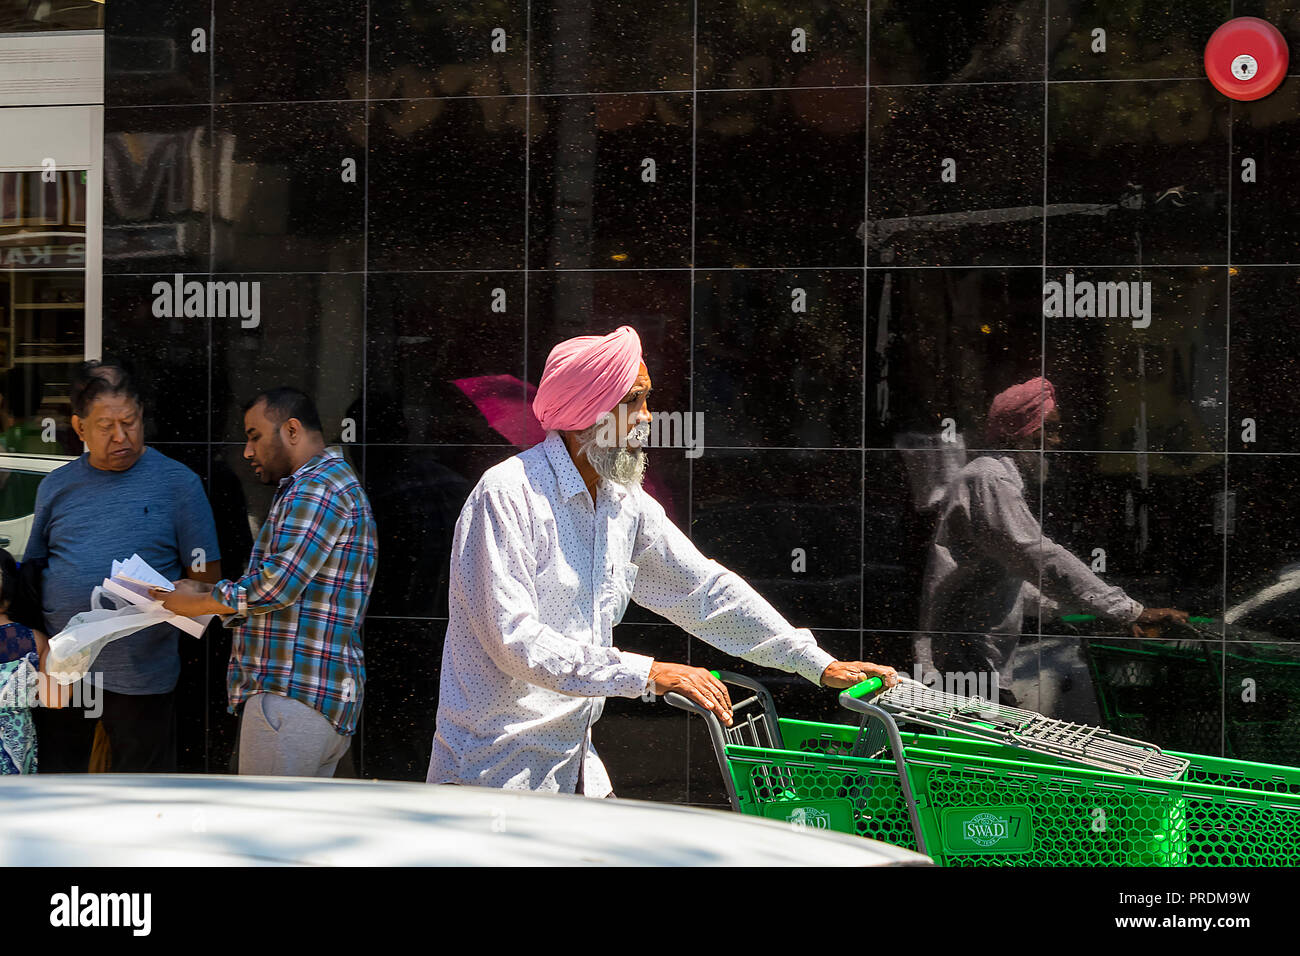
x,y
961,41
1121,114
1144,38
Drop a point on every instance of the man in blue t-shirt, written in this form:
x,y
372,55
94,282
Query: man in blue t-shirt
x,y
119,498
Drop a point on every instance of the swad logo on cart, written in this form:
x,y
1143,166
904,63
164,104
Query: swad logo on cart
x,y
804,817
1000,829
986,829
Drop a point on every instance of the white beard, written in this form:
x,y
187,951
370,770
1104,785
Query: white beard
x,y
617,463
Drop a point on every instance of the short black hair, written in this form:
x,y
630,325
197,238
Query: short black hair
x,y
284,403
8,579
94,380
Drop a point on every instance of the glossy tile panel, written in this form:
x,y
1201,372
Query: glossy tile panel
x,y
1140,364
956,41
1264,367
956,175
1263,548
150,56
441,349
295,200
611,47
457,48
779,178
1265,149
610,182
308,334
416,495
272,53
168,355
448,184
796,543
1144,523
808,326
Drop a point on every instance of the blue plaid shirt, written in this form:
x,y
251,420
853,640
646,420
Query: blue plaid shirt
x,y
297,628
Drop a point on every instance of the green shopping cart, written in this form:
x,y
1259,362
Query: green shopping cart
x,y
999,786
1135,678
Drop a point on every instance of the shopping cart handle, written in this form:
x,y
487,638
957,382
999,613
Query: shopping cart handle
x,y
867,688
686,704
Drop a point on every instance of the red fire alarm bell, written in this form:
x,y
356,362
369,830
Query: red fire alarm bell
x,y
1246,58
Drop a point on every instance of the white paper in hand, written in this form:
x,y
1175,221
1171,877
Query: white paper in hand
x,y
136,570
132,580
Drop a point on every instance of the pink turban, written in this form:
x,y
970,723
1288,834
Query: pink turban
x,y
586,377
1019,411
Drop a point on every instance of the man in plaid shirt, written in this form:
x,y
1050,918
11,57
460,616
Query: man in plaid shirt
x,y
296,664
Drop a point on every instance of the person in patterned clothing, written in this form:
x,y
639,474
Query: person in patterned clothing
x,y
297,672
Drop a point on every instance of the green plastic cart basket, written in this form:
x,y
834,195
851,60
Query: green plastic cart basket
x,y
971,802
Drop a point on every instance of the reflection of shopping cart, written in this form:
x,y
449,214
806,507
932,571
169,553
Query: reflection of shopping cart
x,y
986,793
1141,686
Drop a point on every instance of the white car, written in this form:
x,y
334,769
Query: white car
x,y
19,477
208,820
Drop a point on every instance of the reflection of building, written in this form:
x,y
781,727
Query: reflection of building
x,y
156,193
50,215
42,291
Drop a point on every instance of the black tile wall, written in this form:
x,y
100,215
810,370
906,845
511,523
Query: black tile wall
x,y
280,53
956,175
1150,378
447,49
296,187
432,195
610,182
153,56
433,342
458,163
1265,143
779,178
957,41
808,326
797,543
619,46
941,344
170,356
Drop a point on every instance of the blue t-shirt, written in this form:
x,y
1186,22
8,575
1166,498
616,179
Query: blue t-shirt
x,y
86,518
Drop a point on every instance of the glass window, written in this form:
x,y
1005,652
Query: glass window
x,y
42,307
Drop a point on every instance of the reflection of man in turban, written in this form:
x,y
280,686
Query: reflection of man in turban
x,y
549,548
989,556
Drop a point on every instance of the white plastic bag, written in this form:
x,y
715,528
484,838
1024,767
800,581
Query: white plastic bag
x,y
75,648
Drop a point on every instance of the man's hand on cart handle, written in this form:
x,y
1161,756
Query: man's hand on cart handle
x,y
841,674
695,684
1156,616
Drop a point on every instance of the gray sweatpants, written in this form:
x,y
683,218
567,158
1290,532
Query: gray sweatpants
x,y
283,737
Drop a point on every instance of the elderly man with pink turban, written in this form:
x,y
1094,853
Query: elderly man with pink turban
x,y
990,561
549,548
